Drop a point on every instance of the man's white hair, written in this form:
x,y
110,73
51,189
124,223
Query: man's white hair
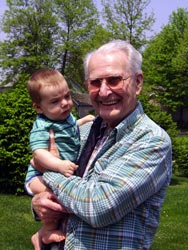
x,y
133,56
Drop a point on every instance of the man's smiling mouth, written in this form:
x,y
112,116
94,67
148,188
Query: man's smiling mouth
x,y
110,102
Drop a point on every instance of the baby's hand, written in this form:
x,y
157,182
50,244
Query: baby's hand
x,y
67,168
85,119
89,118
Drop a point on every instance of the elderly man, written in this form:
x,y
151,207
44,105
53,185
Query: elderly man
x,y
125,164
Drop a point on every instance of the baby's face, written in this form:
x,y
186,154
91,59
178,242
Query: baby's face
x,y
56,102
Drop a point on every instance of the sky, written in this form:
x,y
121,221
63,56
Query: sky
x,y
162,10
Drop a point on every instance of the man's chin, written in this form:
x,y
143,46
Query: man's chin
x,y
110,117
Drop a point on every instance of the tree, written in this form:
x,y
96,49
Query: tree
x,y
156,113
44,33
31,29
78,22
76,19
166,62
127,20
180,68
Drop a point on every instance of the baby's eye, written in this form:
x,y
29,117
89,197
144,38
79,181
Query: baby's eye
x,y
68,96
54,101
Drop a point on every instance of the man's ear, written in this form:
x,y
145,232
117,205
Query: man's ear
x,y
37,107
139,83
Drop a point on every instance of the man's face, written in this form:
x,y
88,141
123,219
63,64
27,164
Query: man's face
x,y
113,98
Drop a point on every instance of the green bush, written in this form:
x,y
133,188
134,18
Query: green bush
x,y
181,156
155,112
163,119
179,143
16,120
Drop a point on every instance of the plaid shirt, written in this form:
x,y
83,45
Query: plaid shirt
x,y
117,204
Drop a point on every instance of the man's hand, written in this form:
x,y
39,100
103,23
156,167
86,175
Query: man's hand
x,y
52,148
46,206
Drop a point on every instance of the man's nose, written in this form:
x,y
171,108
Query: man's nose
x,y
104,88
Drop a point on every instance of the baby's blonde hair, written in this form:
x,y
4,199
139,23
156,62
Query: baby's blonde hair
x,y
42,78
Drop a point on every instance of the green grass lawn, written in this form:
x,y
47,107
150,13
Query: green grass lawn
x,y
173,231
17,224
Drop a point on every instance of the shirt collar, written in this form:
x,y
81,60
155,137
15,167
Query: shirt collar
x,y
126,124
129,122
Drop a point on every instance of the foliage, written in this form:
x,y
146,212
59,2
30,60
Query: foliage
x,y
155,111
16,120
163,119
181,156
31,30
127,20
58,33
78,21
165,62
48,33
75,70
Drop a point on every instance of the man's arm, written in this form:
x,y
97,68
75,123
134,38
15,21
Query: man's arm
x,y
116,187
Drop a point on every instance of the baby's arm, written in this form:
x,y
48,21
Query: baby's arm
x,y
85,119
36,185
50,162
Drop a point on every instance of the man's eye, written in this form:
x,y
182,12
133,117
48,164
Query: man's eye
x,y
114,80
95,82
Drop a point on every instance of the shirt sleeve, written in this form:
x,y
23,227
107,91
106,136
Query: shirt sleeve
x,y
39,138
113,188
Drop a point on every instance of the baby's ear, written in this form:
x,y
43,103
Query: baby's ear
x,y
37,107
